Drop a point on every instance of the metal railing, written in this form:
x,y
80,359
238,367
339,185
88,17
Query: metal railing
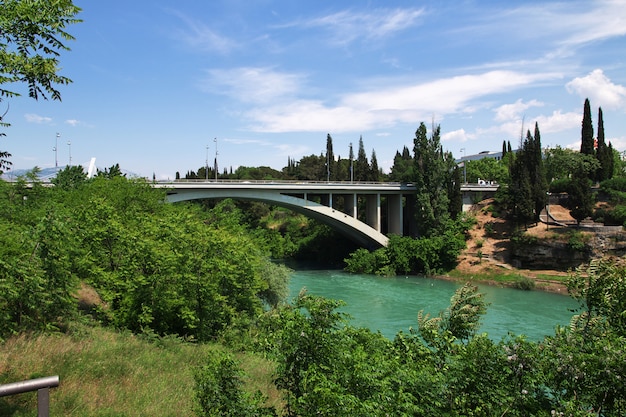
x,y
41,385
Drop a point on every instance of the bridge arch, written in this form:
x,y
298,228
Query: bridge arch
x,y
294,196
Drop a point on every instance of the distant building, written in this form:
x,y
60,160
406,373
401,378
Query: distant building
x,y
484,154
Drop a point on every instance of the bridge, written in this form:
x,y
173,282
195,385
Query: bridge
x,y
362,211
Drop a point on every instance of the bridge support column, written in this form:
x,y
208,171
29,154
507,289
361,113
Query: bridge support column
x,y
372,211
350,205
394,215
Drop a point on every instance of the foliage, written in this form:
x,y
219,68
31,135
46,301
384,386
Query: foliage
x,y
488,169
580,199
459,321
587,141
526,194
32,37
560,162
402,169
406,255
219,389
162,268
434,182
70,177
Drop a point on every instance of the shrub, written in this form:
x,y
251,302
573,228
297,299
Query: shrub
x,y
219,390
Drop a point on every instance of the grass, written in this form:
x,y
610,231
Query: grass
x,y
108,373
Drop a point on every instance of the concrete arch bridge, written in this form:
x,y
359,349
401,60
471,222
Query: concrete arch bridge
x,y
383,205
336,204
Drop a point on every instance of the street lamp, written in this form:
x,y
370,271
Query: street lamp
x,y
464,167
215,140
351,164
55,149
69,144
206,166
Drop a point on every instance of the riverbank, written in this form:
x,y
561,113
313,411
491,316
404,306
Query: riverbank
x,y
487,259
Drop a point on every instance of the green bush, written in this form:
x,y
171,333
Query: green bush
x,y
219,390
560,185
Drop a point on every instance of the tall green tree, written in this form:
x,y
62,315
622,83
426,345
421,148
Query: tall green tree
x,y
429,178
402,169
586,138
32,37
580,198
538,175
375,172
361,166
330,158
528,186
603,153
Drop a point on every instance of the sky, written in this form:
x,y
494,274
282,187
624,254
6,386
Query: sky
x,y
160,86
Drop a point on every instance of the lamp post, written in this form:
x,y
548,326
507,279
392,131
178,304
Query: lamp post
x,y
215,140
351,164
464,167
206,165
55,149
69,145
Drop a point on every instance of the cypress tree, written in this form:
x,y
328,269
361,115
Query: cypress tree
x,y
330,157
374,170
603,153
362,166
539,183
586,142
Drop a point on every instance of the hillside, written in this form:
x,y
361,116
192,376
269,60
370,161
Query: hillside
x,y
488,249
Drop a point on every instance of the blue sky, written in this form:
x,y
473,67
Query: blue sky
x,y
156,82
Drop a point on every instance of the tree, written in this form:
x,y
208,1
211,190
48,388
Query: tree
x,y
70,177
580,199
32,35
362,166
402,169
603,153
330,158
112,172
488,169
374,170
311,167
586,142
528,186
429,177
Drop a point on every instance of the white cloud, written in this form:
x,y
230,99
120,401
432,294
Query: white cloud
x,y
514,111
35,118
201,37
347,26
253,84
386,107
558,122
599,89
73,122
595,21
459,135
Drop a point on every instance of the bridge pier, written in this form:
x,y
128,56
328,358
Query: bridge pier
x,y
372,211
395,214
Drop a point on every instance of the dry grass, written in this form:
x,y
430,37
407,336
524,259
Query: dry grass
x,y
486,257
106,373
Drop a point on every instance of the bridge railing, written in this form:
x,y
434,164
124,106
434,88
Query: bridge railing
x,y
242,181
41,385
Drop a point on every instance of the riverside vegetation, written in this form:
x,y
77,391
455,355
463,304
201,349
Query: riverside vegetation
x,y
146,308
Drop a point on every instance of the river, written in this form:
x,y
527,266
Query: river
x,y
389,305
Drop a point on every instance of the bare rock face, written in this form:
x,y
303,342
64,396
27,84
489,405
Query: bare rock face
x,y
547,255
559,255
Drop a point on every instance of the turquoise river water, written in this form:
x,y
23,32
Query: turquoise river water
x,y
389,305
